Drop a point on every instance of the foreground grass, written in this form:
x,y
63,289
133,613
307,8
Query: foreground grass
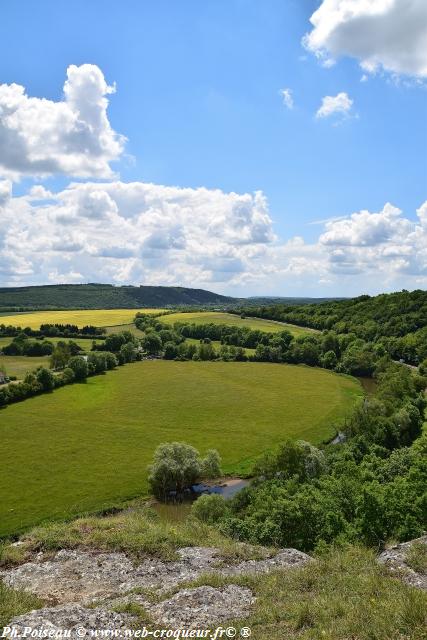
x,y
87,446
343,595
138,532
217,317
14,603
81,317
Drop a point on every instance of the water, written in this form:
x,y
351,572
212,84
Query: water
x,y
172,512
226,489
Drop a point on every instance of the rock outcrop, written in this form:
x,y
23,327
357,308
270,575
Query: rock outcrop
x,y
73,618
85,576
396,559
74,580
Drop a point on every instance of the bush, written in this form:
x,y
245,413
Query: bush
x,y
45,378
79,367
211,465
209,508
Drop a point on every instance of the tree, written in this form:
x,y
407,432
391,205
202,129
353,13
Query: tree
x,y
113,342
79,367
96,362
176,467
60,356
171,351
110,359
329,360
46,378
152,344
128,352
67,375
211,465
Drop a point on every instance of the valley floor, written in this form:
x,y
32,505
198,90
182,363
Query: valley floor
x,y
87,446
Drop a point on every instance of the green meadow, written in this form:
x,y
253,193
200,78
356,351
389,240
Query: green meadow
x,y
87,446
19,365
218,317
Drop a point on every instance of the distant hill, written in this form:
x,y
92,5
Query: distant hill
x,y
269,300
105,296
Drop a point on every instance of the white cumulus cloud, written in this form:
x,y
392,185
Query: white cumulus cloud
x,y
132,232
381,34
41,137
142,233
385,242
331,105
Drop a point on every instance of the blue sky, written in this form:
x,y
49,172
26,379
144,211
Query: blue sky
x,y
198,99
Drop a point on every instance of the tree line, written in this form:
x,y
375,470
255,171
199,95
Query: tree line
x,y
340,352
53,331
396,321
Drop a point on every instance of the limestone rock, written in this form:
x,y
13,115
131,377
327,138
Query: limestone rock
x,y
72,576
285,559
76,578
85,576
395,559
203,606
71,617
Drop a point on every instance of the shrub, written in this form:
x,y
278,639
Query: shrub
x,y
79,367
211,465
209,508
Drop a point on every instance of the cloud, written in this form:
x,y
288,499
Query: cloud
x,y
340,104
287,98
385,242
40,137
380,34
133,232
5,191
367,229
143,233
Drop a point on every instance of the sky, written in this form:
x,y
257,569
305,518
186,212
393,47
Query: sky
x,y
250,148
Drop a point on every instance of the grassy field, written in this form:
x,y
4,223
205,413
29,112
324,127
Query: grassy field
x,y
217,317
118,328
96,317
86,446
19,365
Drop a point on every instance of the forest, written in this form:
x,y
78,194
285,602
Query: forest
x,y
396,322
